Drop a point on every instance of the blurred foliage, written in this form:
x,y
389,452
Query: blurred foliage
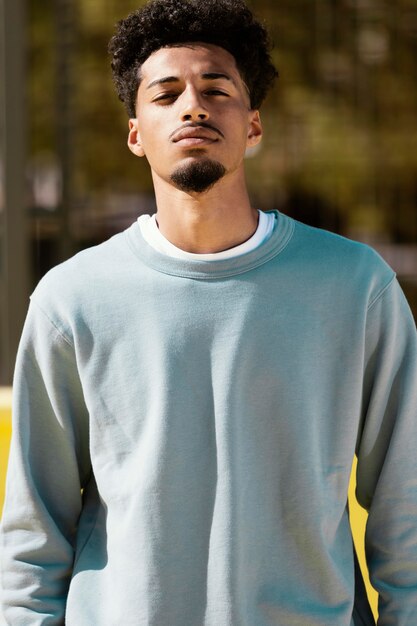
x,y
340,125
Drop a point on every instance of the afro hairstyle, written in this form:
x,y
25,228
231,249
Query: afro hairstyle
x,y
228,24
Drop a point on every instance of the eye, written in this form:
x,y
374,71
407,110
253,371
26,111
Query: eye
x,y
165,97
216,92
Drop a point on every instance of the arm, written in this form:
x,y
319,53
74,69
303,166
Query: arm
x,y
387,457
48,466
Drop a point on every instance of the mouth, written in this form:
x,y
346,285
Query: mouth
x,y
195,141
195,136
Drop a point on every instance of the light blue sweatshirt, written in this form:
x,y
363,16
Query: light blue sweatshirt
x,y
210,412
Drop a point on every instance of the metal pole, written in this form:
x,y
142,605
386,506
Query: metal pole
x,y
65,26
14,242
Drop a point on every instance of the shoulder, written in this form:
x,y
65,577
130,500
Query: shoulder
x,y
83,267
336,259
79,283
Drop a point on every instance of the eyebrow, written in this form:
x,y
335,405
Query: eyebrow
x,y
205,76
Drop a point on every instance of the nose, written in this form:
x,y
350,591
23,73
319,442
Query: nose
x,y
193,108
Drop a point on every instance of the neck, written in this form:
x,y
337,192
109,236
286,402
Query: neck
x,y
203,223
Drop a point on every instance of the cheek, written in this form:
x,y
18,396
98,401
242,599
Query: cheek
x,y
240,136
149,128
150,139
157,150
239,123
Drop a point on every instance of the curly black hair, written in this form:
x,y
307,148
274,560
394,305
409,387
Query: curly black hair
x,y
163,23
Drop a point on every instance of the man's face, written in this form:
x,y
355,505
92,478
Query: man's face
x,y
194,120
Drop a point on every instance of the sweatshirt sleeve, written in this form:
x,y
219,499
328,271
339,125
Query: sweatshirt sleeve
x,y
48,466
387,456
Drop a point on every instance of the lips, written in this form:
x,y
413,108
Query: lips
x,y
195,132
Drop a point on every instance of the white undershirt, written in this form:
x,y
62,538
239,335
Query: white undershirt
x,y
154,237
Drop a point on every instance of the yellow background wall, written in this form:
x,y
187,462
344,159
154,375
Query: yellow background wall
x,y
357,514
358,518
5,431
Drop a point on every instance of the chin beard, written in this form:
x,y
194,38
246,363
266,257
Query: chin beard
x,y
198,176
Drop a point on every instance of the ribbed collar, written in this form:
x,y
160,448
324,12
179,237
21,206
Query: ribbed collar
x,y
213,269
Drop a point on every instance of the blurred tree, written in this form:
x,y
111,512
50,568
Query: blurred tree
x,y
340,126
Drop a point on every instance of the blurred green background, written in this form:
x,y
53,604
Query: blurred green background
x,y
339,149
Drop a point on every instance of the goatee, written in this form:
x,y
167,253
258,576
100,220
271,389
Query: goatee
x,y
198,176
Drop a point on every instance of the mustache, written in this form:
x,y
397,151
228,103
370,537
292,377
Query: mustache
x,y
197,125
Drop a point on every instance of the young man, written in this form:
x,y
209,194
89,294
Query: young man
x,y
205,378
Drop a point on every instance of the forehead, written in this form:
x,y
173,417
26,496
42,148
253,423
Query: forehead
x,y
193,58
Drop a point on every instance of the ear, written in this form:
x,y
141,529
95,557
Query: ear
x,y
254,129
133,140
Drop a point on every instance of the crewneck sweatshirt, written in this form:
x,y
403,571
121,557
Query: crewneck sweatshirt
x,y
209,411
